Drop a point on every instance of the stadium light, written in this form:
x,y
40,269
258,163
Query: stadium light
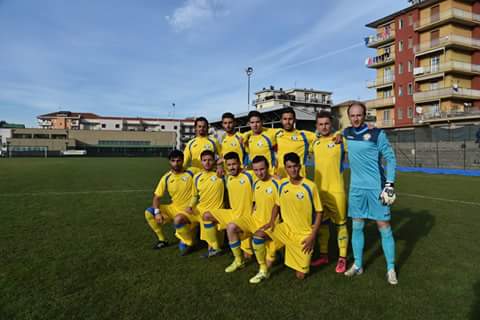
x,y
249,72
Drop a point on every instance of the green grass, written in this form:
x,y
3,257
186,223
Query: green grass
x,y
88,255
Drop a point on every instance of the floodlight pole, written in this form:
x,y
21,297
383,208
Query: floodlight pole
x,y
249,72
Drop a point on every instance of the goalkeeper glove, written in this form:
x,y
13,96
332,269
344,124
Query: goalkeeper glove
x,y
388,194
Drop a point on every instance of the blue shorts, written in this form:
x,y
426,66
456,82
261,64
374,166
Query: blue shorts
x,y
365,204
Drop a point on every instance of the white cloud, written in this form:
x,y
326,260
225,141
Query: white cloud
x,y
196,11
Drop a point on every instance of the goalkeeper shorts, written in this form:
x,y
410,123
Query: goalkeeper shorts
x,y
366,204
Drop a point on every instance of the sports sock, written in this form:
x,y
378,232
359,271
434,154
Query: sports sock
x,y
154,226
246,246
211,235
236,250
342,240
324,237
260,252
358,241
388,245
184,233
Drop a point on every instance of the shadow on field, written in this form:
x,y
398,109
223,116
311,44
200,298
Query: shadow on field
x,y
408,226
475,313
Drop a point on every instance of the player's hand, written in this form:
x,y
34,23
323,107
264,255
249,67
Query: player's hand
x,y
189,210
270,225
220,171
308,244
388,194
158,217
338,138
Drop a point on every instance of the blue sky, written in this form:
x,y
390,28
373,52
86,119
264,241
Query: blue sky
x,y
136,57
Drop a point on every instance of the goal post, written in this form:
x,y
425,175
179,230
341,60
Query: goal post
x,y
41,152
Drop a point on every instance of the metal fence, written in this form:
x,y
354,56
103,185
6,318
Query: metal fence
x,y
441,147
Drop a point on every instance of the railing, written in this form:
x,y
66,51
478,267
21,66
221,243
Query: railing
x,y
382,102
379,38
291,98
446,92
450,39
440,115
453,13
386,123
381,59
452,65
380,82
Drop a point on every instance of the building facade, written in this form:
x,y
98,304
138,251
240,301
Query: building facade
x,y
427,64
183,128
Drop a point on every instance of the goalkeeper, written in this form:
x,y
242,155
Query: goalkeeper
x,y
371,192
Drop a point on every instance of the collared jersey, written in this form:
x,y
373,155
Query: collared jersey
x,y
297,141
234,143
195,147
329,158
262,144
366,147
265,196
210,190
299,204
178,186
240,192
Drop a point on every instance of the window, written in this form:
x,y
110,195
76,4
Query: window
x,y
400,91
387,74
433,85
410,112
386,115
104,125
400,68
400,24
410,66
400,114
435,64
410,19
410,43
400,46
117,126
410,89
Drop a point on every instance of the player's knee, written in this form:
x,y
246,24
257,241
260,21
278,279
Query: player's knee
x,y
207,216
260,234
383,224
180,219
358,224
232,228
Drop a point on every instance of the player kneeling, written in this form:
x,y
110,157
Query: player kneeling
x,y
178,184
265,195
301,211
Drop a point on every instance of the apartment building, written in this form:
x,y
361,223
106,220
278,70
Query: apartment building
x,y
427,64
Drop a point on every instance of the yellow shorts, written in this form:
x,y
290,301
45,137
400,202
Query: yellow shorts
x,y
249,225
334,207
295,258
169,211
224,217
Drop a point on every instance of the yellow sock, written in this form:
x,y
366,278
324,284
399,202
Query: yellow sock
x,y
211,234
236,250
324,237
184,233
342,239
154,226
246,246
260,253
271,251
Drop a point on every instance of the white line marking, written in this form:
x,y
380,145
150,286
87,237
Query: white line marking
x,y
439,199
59,193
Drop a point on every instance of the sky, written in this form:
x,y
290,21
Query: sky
x,y
138,57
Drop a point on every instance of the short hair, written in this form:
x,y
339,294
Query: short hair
x,y
255,113
357,103
289,110
231,155
324,114
207,153
259,159
292,157
200,119
228,115
175,153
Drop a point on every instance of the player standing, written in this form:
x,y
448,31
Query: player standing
x,y
371,194
232,141
329,158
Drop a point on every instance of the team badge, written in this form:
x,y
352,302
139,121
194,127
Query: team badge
x,y
259,144
367,136
184,178
294,138
269,190
207,147
233,144
331,145
300,195
213,178
242,181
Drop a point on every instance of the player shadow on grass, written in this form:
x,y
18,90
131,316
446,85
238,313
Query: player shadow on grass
x,y
475,312
409,227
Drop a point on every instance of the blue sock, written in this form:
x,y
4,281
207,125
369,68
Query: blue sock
x,y
358,242
388,245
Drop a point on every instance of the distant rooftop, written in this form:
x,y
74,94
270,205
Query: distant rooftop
x,y
88,115
6,125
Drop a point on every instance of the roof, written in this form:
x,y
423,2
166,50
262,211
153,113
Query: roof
x,y
345,103
280,90
300,114
88,115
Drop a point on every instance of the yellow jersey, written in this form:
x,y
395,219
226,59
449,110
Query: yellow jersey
x,y
234,143
297,141
265,196
329,158
240,192
194,149
299,204
262,144
209,188
178,186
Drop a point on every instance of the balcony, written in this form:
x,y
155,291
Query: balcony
x,y
451,16
442,93
380,39
432,114
381,60
433,71
381,83
385,123
44,123
381,103
456,41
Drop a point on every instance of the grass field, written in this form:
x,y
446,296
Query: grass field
x,y
74,244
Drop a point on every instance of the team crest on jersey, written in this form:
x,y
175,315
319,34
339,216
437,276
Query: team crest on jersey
x,y
233,144
294,138
184,178
367,136
331,145
213,178
207,147
242,181
259,144
269,190
300,195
